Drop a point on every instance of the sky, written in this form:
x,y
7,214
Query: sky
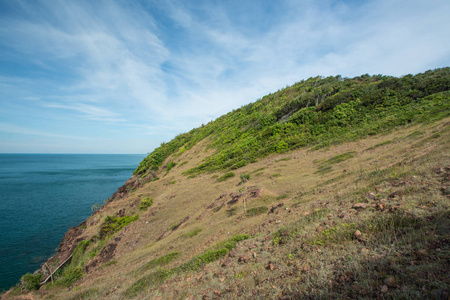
x,y
124,76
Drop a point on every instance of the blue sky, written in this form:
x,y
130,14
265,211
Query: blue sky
x,y
123,76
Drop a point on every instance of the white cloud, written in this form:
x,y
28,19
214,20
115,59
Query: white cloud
x,y
155,74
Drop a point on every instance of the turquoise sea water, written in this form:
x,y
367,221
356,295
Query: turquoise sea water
x,y
43,195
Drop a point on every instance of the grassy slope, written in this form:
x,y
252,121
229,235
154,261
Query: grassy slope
x,y
306,247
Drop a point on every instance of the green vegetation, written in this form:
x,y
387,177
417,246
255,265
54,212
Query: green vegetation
x,y
316,112
30,281
379,145
245,178
88,249
225,176
161,261
146,203
256,211
170,165
113,224
325,166
193,232
80,256
160,275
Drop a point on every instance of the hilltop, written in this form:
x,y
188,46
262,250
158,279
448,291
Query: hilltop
x,y
330,188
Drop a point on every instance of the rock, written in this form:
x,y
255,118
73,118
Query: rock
x,y
270,266
370,196
359,206
243,259
390,282
422,252
355,288
306,268
226,263
441,294
384,289
396,194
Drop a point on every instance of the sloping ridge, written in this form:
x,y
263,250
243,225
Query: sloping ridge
x,y
330,188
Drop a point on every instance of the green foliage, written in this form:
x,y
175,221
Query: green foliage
x,y
256,211
30,281
245,177
218,251
170,165
379,145
160,275
155,278
340,157
161,261
193,233
146,203
225,176
316,112
113,224
174,226
70,275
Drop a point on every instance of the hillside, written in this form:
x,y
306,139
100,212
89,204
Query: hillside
x,y
330,188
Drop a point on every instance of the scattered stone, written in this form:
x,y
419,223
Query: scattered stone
x,y
390,282
364,292
358,206
270,266
227,263
422,252
446,190
243,259
384,289
438,170
306,268
396,194
371,196
441,294
356,288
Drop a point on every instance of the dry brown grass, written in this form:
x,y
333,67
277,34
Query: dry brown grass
x,y
315,253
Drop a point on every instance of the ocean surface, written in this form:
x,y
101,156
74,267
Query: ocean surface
x,y
43,195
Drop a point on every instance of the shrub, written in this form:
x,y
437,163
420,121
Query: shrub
x,y
245,178
257,211
161,261
113,224
70,275
30,281
193,232
225,176
170,165
146,203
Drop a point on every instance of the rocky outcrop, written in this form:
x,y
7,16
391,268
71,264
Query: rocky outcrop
x,y
130,185
65,249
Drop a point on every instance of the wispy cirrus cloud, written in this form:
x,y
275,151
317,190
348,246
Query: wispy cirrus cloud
x,y
154,69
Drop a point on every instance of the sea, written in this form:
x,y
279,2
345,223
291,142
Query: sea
x,y
43,195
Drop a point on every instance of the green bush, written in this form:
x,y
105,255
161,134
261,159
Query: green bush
x,y
225,176
245,178
113,224
161,261
146,203
316,112
256,211
70,275
30,281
